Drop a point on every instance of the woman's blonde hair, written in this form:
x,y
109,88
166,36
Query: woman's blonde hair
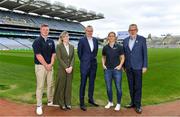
x,y
62,35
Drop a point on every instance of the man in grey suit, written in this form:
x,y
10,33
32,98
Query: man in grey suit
x,y
135,50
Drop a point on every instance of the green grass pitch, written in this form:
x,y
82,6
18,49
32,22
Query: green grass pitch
x,y
160,84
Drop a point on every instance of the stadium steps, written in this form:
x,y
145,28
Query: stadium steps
x,y
101,43
22,44
5,47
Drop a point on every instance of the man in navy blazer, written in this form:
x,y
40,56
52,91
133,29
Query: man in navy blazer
x,y
87,53
135,50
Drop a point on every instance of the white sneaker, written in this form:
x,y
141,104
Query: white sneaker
x,y
109,105
39,110
118,107
51,104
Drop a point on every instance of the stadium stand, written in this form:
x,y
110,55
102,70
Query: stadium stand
x,y
74,43
10,43
172,40
168,41
27,43
20,21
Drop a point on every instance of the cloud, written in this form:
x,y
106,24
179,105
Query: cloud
x,y
155,16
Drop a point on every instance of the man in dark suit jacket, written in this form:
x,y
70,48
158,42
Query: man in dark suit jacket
x,y
135,50
87,52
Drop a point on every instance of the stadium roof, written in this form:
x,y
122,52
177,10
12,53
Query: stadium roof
x,y
57,9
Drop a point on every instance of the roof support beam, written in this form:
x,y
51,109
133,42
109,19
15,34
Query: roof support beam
x,y
40,8
21,6
3,1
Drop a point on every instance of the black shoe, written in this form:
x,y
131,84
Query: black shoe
x,y
93,103
69,107
130,106
83,107
63,108
138,110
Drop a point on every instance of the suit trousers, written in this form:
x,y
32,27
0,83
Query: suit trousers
x,y
91,73
135,85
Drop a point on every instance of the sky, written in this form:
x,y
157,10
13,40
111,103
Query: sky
x,y
152,16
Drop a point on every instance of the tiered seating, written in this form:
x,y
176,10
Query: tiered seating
x,y
13,18
11,44
3,47
171,39
74,43
24,42
155,42
176,39
21,27
35,21
57,24
56,42
178,42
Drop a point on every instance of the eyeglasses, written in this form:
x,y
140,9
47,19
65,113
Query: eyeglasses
x,y
89,30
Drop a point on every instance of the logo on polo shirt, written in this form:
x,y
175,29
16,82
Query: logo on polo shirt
x,y
115,47
50,44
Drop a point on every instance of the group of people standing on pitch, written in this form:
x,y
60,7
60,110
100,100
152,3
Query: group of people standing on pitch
x,y
132,57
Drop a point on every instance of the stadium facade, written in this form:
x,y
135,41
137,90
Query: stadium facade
x,y
20,21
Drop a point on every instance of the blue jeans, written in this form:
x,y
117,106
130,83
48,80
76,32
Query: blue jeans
x,y
109,75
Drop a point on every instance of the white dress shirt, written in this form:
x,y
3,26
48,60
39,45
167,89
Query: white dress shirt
x,y
91,44
67,48
131,43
